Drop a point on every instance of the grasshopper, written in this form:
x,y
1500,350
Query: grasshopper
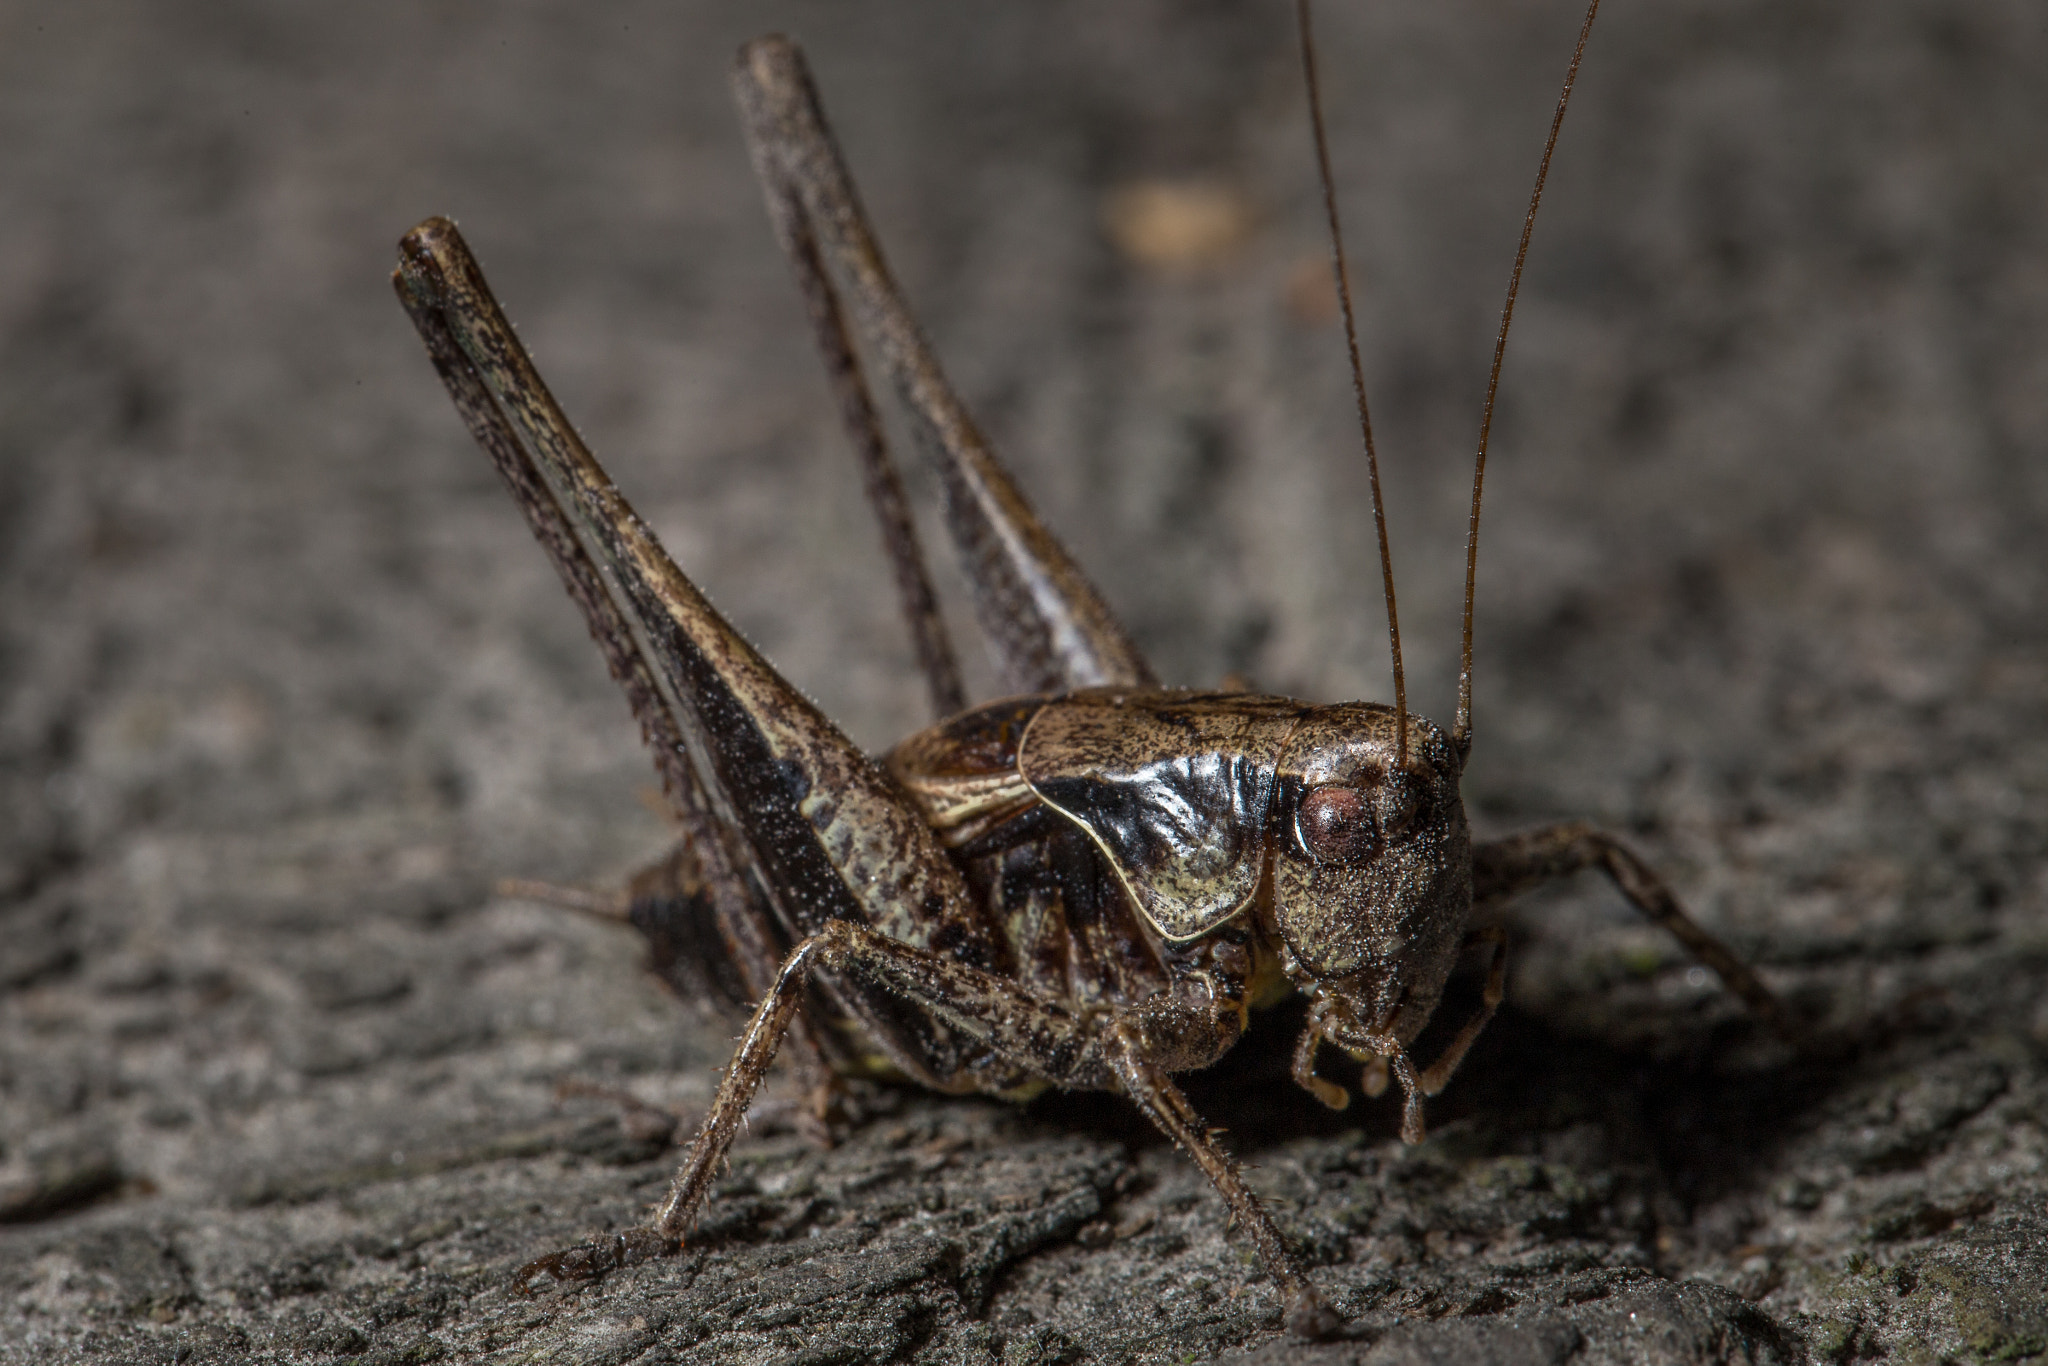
x,y
1087,884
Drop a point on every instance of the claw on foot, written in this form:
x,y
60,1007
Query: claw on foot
x,y
1309,1318
594,1260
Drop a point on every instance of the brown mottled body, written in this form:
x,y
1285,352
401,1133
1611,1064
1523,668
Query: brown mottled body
x,y
1088,885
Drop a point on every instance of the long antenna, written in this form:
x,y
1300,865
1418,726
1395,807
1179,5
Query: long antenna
x,y
1372,459
1461,732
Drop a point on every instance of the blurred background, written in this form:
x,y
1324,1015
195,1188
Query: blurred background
x,y
284,686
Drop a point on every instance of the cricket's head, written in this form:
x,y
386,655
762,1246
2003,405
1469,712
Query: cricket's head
x,y
1372,874
1372,882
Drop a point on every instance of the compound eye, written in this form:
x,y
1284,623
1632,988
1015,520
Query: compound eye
x,y
1335,824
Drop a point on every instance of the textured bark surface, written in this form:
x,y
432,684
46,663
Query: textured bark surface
x,y
284,688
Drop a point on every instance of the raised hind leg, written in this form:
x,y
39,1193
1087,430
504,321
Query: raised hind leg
x,y
864,428
710,845
1049,627
793,825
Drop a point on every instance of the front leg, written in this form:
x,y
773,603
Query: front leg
x,y
1504,868
1132,1051
1127,1049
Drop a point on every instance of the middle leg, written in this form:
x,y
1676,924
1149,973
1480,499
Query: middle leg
x,y
1018,1026
1167,1107
1020,1029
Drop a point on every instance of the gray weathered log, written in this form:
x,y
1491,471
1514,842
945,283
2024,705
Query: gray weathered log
x,y
284,688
